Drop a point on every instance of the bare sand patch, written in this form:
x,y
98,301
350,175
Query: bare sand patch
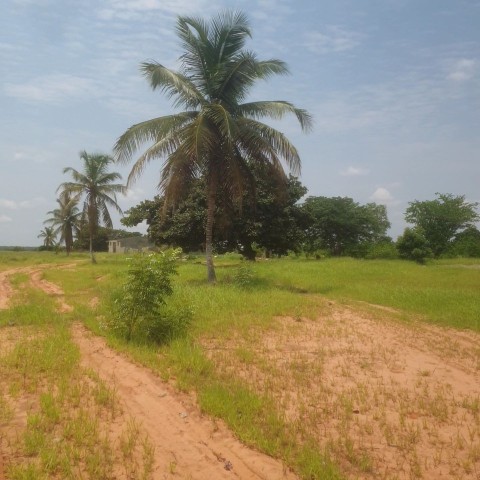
x,y
387,400
36,281
6,289
198,447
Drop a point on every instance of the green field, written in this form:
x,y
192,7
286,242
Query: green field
x,y
247,298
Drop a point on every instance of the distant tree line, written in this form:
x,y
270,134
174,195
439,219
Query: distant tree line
x,y
270,221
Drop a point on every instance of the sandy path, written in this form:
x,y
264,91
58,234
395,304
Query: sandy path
x,y
6,290
37,281
199,448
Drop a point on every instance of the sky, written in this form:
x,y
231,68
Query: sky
x,y
393,86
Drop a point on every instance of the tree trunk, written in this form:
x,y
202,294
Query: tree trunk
x,y
211,277
91,248
92,222
68,240
248,252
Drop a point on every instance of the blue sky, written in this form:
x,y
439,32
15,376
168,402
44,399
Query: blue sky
x,y
393,85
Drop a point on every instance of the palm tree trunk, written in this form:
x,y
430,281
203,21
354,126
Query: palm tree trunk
x,y
91,248
211,277
91,227
68,240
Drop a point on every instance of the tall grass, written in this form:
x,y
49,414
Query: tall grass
x,y
437,292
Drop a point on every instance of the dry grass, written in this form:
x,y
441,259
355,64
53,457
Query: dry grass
x,y
388,401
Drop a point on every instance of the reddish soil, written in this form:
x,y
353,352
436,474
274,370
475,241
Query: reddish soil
x,y
187,444
37,281
199,447
387,400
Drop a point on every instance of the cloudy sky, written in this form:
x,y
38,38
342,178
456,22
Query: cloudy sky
x,y
393,85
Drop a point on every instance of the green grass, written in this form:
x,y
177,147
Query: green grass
x,y
245,301
437,292
67,420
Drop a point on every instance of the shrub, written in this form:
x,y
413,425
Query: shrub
x,y
413,245
244,276
140,310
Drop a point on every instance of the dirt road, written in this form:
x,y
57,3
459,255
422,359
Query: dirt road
x,y
187,444
198,447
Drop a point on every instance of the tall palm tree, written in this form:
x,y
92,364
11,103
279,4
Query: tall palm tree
x,y
96,184
48,234
217,135
65,219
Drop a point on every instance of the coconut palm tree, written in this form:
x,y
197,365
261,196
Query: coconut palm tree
x,y
217,136
95,184
48,234
65,219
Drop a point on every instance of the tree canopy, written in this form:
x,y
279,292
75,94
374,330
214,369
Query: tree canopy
x,y
270,219
218,135
339,224
65,219
95,183
441,219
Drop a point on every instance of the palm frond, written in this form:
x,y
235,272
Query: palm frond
x,y
275,109
164,147
253,133
175,85
229,33
221,118
151,130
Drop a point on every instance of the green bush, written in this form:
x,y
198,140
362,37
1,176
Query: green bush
x,y
244,276
413,245
139,309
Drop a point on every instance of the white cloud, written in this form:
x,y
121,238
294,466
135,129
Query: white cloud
x,y
51,88
31,154
8,204
135,194
382,195
25,204
33,203
332,39
408,103
354,172
132,9
462,70
5,219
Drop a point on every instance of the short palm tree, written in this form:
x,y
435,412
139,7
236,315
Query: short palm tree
x,y
217,135
96,184
48,234
65,219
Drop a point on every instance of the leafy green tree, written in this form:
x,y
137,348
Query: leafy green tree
x,y
269,218
183,226
49,236
341,225
217,136
466,243
413,245
95,183
65,219
441,219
